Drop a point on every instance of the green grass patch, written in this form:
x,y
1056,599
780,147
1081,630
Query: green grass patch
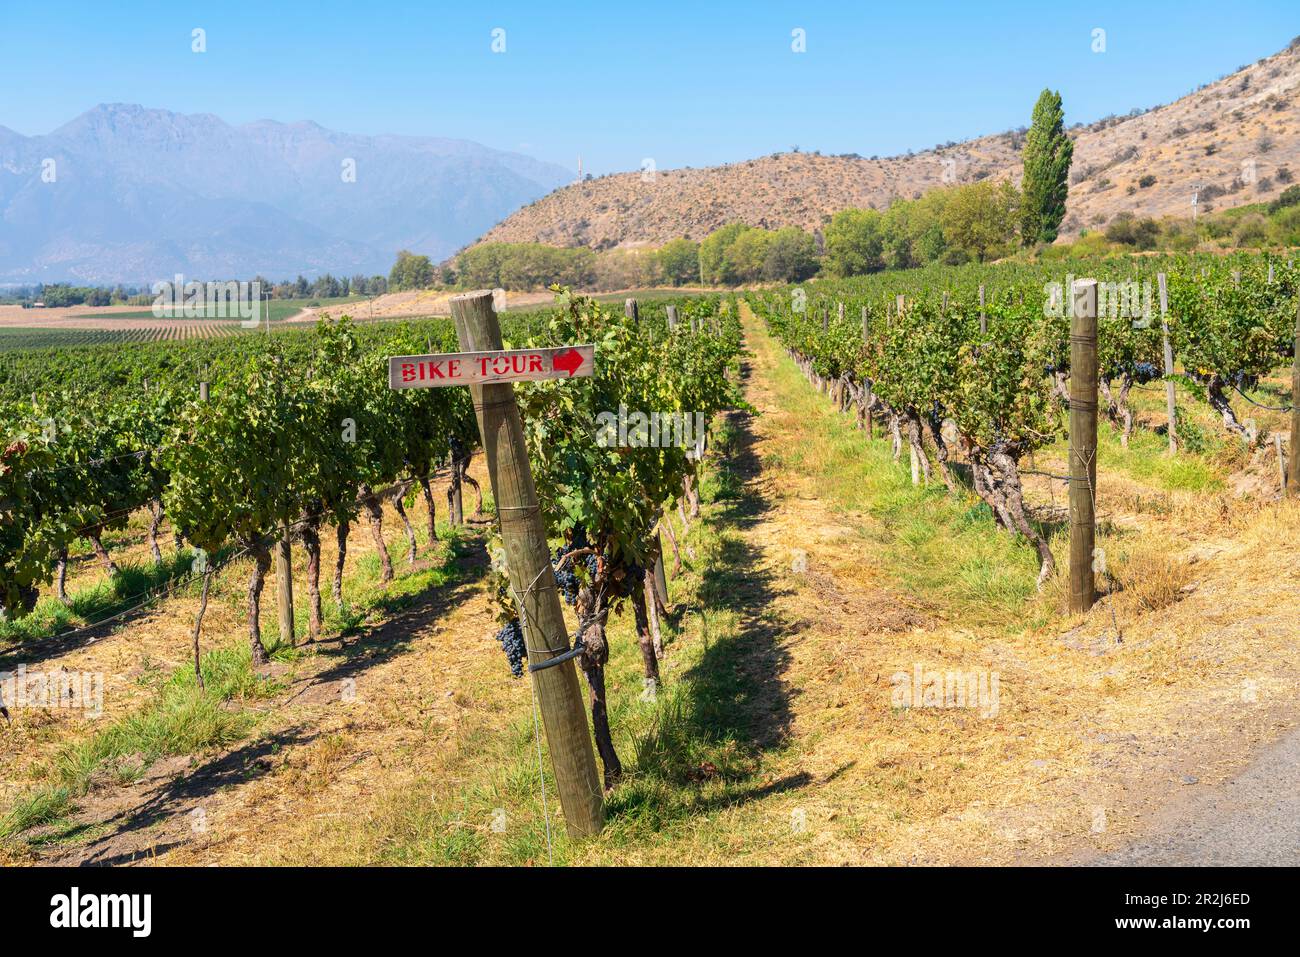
x,y
180,719
136,582
945,548
1147,460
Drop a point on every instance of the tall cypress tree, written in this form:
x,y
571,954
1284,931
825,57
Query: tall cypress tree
x,y
1047,155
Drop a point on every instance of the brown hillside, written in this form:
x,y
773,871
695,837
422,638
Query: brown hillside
x,y
1202,139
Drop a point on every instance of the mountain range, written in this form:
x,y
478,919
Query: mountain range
x,y
128,194
1231,142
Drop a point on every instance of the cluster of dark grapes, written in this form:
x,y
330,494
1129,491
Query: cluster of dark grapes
x,y
566,575
511,637
1144,372
1243,381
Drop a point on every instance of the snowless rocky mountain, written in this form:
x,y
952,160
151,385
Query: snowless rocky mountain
x,y
1233,141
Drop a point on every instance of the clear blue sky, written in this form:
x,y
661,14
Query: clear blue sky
x,y
686,84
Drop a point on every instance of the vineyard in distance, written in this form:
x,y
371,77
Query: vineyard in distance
x,y
858,649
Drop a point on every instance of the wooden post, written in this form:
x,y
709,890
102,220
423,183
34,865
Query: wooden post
x,y
284,584
1281,459
1171,403
661,575
840,312
671,311
1293,467
1083,442
203,391
866,383
631,311
900,305
531,578
984,320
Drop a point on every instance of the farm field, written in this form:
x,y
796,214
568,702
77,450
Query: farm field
x,y
17,339
278,309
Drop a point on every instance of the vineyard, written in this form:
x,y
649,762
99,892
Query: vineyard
x,y
976,364
735,601
243,445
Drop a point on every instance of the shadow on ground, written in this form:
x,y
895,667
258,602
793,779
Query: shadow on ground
x,y
146,820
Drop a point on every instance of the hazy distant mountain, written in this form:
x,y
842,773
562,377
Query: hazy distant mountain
x,y
140,194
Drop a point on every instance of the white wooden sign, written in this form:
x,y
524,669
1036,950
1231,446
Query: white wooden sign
x,y
483,368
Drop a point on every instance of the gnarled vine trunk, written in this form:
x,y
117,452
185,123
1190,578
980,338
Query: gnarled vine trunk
x,y
667,525
310,533
341,536
594,657
649,660
652,613
472,482
1117,407
896,434
261,565
101,552
400,508
198,626
155,519
375,517
935,432
918,447
427,489
1003,481
1061,385
61,577
1219,402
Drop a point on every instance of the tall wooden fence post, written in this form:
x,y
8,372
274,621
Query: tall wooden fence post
x,y
1171,401
284,583
866,383
1293,463
1083,442
631,311
531,577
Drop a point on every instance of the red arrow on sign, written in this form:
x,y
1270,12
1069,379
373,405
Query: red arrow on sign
x,y
569,361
